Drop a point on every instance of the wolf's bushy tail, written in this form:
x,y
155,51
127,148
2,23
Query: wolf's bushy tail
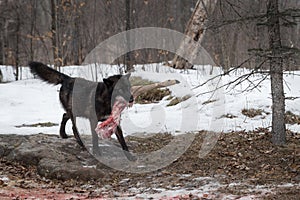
x,y
46,73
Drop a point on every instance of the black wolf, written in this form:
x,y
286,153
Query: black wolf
x,y
101,100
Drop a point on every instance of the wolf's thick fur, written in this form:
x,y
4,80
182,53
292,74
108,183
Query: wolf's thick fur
x,y
86,101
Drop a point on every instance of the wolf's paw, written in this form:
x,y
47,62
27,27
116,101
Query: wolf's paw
x,y
129,156
63,135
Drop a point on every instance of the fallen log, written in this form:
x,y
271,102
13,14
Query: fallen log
x,y
138,90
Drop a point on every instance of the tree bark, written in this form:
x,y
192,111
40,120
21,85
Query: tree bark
x,y
17,50
276,72
32,28
54,36
195,29
128,61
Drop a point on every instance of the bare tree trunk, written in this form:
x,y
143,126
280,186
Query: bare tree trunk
x,y
5,41
32,27
195,29
17,51
128,60
218,49
2,48
276,70
54,31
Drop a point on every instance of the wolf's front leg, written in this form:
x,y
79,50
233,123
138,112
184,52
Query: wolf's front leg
x,y
95,142
121,140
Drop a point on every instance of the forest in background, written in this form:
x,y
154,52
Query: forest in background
x,y
63,32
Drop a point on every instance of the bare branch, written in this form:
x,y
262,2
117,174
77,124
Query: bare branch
x,y
234,83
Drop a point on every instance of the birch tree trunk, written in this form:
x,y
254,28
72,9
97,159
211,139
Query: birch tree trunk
x,y
195,29
276,72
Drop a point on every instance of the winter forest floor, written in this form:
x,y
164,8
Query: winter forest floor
x,y
240,166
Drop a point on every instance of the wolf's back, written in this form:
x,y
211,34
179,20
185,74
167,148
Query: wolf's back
x,y
46,73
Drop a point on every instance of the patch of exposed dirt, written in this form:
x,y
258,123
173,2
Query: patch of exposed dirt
x,y
291,118
152,96
239,164
253,112
41,124
229,116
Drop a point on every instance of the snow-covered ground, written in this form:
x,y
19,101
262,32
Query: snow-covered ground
x,y
31,101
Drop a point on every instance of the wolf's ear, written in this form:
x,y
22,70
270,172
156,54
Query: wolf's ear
x,y
108,82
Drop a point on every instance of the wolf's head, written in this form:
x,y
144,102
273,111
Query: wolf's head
x,y
119,85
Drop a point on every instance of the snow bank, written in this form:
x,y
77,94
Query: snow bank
x,y
31,101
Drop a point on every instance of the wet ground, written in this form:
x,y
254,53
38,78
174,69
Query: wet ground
x,y
239,166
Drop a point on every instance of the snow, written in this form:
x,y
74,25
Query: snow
x,y
31,101
28,102
207,191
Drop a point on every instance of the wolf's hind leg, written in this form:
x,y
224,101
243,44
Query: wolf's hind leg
x,y
62,130
75,132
